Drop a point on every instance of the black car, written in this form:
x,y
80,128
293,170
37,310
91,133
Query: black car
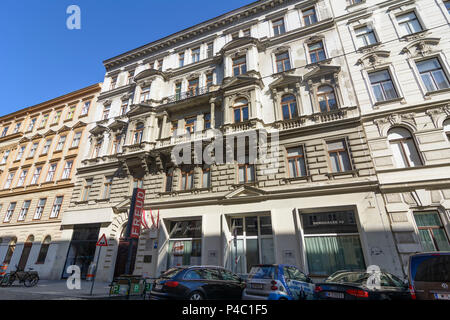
x,y
198,283
353,285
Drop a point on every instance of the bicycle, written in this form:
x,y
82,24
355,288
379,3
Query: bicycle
x,y
28,278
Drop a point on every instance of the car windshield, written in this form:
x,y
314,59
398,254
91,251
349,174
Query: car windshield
x,y
262,272
172,272
434,268
342,277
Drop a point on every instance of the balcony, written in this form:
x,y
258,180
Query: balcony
x,y
188,94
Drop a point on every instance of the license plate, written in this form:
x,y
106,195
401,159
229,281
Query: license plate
x,y
158,287
256,286
336,295
442,296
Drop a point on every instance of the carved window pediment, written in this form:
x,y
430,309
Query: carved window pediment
x,y
374,58
421,47
321,72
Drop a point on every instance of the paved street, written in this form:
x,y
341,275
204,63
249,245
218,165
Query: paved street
x,y
54,290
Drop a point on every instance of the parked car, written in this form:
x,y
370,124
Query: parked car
x,y
197,283
277,282
429,276
352,285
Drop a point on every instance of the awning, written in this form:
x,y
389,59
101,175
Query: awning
x,y
87,216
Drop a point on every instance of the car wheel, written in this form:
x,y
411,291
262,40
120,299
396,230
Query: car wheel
x,y
196,295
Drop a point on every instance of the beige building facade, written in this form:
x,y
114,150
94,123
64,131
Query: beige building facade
x,y
41,148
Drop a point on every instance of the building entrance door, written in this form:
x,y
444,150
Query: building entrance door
x,y
121,259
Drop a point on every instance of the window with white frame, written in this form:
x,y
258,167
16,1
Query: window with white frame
x,y
87,189
107,187
44,120
246,172
316,52
209,49
130,76
56,209
409,23
97,148
24,210
57,117
206,176
239,65
5,131
106,110
10,211
71,113
17,127
432,74
33,149
181,60
51,172
46,148
309,16
67,169
382,86
9,180
22,177
124,107
85,109
403,148
195,55
282,61
36,175
296,162
326,98
5,156
289,107
365,36
20,152
339,156
138,133
187,180
116,146
278,27
145,93
332,242
76,139
61,142
254,242
39,208
31,125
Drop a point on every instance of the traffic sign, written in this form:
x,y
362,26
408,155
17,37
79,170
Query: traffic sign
x,y
102,241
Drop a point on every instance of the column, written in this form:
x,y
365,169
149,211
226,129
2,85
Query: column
x,y
213,109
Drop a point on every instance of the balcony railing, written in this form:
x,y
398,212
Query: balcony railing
x,y
187,94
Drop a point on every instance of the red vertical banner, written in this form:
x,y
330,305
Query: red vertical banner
x,y
137,215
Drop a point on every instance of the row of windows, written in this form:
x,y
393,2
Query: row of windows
x,y
45,149
28,244
45,117
35,178
40,206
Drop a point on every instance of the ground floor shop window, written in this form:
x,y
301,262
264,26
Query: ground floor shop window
x,y
252,243
431,231
185,243
332,242
82,248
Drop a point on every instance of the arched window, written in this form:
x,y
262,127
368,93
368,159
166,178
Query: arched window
x,y
138,133
240,109
447,128
11,248
44,249
326,98
403,148
289,107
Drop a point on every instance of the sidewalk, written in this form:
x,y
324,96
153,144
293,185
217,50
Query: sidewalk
x,y
55,289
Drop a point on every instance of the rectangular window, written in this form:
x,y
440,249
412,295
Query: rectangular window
x,y
31,125
22,178
206,177
44,120
239,65
10,211
67,169
33,150
235,35
20,152
97,148
190,125
178,90
431,231
40,209
71,113
246,33
339,156
107,187
433,76
159,64
365,36
5,131
113,83
61,142
145,94
209,80
278,27
382,86
185,243
5,157
9,180
56,207
195,55
76,140
296,162
447,6
207,120
36,175
116,144
23,212
309,16
409,23
187,180
181,60
46,148
332,242
169,180
85,109
282,62
51,172
316,52
124,107
106,110
240,113
193,87
246,172
17,127
87,189
210,49
174,127
57,117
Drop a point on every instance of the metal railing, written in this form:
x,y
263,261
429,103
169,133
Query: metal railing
x,y
187,94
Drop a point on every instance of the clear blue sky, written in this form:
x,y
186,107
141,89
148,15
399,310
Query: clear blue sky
x,y
41,59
